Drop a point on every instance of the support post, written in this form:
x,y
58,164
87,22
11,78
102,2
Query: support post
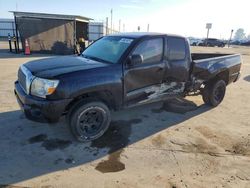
x,y
17,38
75,41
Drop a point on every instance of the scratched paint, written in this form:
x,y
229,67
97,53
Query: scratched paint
x,y
163,89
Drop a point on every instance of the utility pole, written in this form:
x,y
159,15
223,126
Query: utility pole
x,y
123,27
230,38
111,20
148,28
119,25
138,28
107,25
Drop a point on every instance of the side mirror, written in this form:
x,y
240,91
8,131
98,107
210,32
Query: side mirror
x,y
135,59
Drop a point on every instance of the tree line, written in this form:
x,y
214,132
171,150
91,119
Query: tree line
x,y
241,35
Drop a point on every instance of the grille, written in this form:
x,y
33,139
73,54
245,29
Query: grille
x,y
22,79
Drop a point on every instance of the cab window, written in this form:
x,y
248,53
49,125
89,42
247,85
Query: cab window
x,y
151,50
177,49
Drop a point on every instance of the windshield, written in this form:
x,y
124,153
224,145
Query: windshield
x,y
107,49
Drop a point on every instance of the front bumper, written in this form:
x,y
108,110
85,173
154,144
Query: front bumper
x,y
38,109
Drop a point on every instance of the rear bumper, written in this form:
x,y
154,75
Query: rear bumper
x,y
234,77
237,77
38,109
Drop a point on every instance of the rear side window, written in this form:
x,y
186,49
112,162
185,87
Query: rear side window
x,y
151,50
177,48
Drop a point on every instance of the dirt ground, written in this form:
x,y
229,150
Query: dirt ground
x,y
147,146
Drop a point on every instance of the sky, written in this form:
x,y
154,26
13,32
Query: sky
x,y
183,17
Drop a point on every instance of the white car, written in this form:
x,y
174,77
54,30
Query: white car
x,y
194,41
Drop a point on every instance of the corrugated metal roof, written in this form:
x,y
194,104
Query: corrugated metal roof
x,y
51,16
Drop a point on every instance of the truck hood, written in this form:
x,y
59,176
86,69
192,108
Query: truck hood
x,y
51,67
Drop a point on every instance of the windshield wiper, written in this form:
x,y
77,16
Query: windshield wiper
x,y
95,59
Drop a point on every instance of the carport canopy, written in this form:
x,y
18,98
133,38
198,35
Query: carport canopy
x,y
51,33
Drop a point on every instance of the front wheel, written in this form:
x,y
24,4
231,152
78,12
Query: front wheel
x,y
213,93
89,120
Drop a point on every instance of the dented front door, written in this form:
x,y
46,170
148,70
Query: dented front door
x,y
144,83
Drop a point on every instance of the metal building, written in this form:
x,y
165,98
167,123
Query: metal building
x,y
7,26
51,33
96,30
99,29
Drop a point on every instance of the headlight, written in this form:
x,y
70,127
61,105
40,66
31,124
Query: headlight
x,y
41,87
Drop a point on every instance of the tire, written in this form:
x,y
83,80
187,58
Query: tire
x,y
214,92
88,120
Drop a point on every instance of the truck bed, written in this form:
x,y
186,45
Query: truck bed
x,y
206,65
200,56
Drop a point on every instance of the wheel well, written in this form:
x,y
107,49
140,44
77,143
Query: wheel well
x,y
104,96
224,75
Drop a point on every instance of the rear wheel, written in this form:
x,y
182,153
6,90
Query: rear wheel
x,y
214,92
89,120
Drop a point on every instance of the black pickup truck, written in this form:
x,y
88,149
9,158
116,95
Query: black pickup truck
x,y
120,71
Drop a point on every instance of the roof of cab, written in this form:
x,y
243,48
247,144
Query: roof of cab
x,y
142,34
